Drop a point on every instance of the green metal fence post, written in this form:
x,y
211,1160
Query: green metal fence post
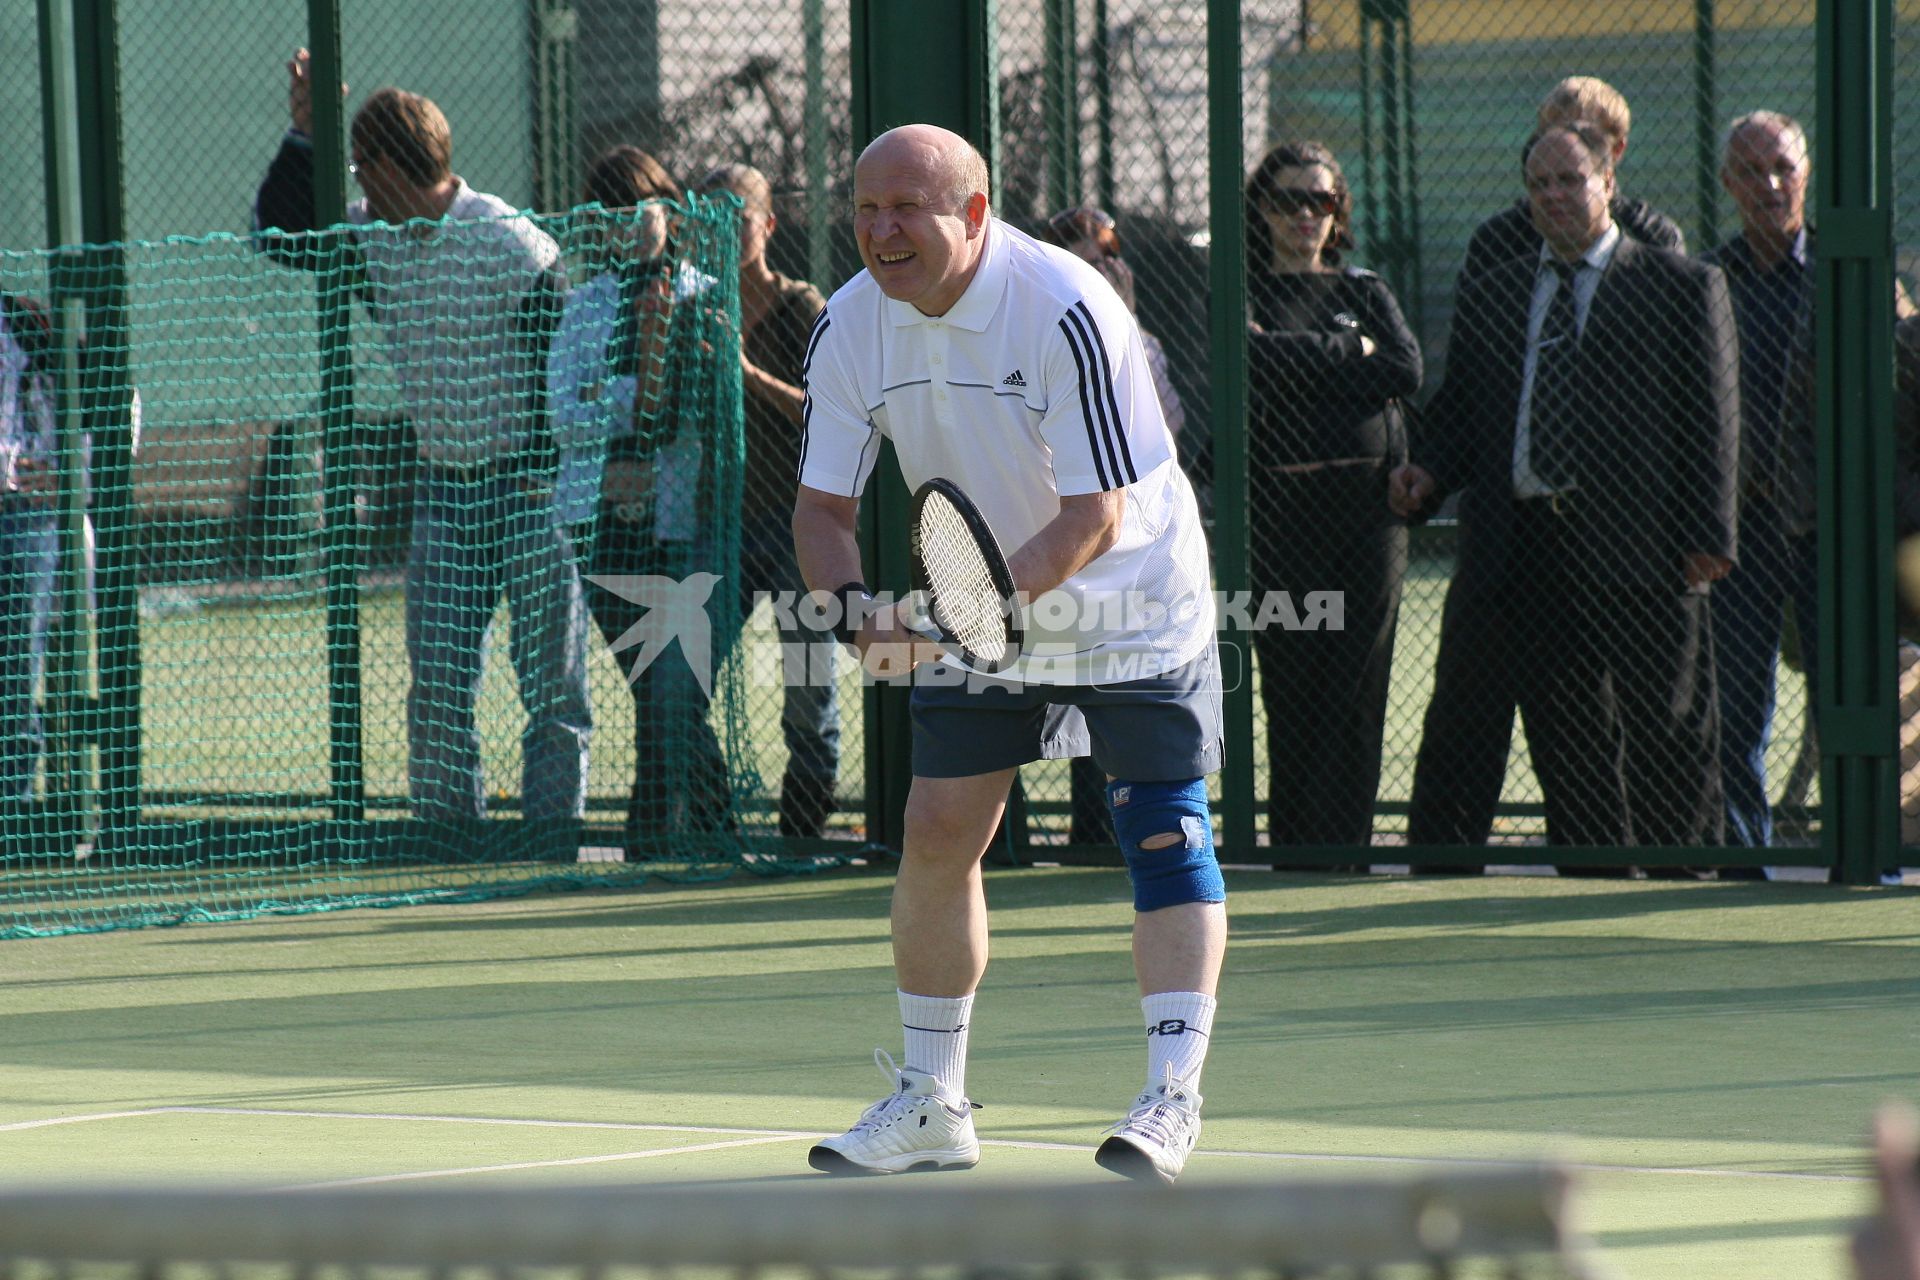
x,y
934,62
1370,185
1706,109
1062,58
107,386
80,95
61,142
820,207
1103,103
347,791
1854,211
556,36
69,804
1415,281
1227,334
1393,146
1392,196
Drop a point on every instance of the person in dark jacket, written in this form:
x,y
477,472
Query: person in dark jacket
x,y
1769,265
1591,407
1328,356
1510,233
1468,730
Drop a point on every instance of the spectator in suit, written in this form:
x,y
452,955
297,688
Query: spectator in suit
x,y
1511,233
1591,401
1090,234
1328,357
1468,732
466,314
1765,167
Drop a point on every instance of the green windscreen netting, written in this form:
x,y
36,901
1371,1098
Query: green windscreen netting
x,y
460,618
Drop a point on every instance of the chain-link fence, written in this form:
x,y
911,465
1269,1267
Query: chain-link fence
x,y
1398,314
1659,717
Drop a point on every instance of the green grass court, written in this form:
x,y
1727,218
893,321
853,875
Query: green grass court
x,y
1709,1054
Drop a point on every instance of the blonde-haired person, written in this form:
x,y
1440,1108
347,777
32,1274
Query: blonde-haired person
x,y
1328,357
776,317
1511,234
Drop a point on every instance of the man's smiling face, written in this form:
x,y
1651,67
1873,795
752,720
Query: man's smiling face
x,y
920,239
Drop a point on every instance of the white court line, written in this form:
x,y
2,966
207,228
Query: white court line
x,y
782,1135
536,1164
81,1119
538,1124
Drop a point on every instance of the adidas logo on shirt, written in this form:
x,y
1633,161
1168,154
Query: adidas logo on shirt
x,y
1013,380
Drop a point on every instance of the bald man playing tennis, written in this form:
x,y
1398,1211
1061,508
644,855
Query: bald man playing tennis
x,y
1013,370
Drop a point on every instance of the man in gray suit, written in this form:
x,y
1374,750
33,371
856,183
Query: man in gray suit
x,y
1591,408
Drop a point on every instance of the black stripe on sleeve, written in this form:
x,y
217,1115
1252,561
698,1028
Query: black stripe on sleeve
x,y
1091,408
820,326
806,431
1125,461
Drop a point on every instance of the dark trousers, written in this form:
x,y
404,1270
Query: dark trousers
x,y
1324,688
1749,614
1468,730
1615,683
680,781
809,707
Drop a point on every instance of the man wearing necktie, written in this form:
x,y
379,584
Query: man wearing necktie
x,y
1592,399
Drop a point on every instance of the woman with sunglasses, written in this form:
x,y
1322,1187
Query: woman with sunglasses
x,y
1329,357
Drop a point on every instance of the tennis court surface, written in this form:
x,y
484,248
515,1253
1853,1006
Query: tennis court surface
x,y
1705,1055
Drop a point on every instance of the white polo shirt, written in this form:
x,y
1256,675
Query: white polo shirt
x,y
448,298
1033,386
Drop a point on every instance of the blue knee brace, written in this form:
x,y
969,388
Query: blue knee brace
x,y
1182,872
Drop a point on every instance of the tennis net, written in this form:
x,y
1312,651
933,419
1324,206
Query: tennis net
x,y
1504,1223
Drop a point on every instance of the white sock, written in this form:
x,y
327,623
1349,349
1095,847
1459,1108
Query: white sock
x,y
936,1028
1179,1027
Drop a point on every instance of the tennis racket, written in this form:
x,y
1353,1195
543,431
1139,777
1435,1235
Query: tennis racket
x,y
964,588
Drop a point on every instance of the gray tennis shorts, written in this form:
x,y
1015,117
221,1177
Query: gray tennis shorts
x,y
1161,729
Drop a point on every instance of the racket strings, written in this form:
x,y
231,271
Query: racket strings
x,y
961,593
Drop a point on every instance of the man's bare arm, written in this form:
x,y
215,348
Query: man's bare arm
x,y
1088,525
824,541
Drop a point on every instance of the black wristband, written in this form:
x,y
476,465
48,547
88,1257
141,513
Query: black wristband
x,y
856,603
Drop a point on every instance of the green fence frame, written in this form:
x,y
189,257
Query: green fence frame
x,y
905,67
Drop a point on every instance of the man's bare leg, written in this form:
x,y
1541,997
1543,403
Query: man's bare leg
x,y
939,905
1180,948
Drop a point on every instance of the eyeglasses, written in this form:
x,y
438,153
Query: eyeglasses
x,y
1291,200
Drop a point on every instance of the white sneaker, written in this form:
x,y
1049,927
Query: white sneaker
x,y
1157,1136
920,1125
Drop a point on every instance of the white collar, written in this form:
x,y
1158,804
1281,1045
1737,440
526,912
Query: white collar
x,y
1598,254
975,308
